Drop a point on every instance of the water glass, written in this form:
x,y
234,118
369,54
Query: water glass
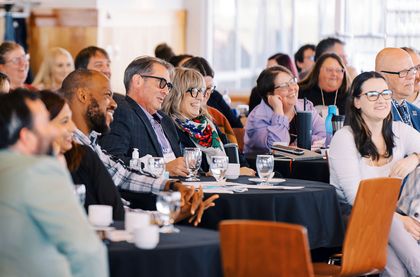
x,y
156,166
192,158
218,167
168,204
265,167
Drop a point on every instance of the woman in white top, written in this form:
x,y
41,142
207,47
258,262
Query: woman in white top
x,y
375,146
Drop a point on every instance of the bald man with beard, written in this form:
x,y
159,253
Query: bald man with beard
x,y
397,67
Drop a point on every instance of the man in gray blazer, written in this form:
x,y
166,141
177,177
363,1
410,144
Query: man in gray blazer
x,y
44,231
138,123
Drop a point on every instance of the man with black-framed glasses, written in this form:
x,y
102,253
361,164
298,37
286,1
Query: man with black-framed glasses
x,y
397,67
138,123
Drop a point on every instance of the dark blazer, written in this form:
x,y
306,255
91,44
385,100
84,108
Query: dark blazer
x,y
187,142
414,114
132,129
216,101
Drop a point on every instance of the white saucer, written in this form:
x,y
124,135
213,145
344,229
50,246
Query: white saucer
x,y
271,181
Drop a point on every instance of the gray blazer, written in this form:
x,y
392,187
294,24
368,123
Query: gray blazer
x,y
131,128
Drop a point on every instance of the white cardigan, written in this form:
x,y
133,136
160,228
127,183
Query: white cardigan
x,y
348,168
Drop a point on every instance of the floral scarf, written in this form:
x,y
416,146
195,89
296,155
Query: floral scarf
x,y
201,131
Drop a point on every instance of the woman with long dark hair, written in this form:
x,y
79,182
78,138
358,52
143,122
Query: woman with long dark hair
x,y
375,146
84,165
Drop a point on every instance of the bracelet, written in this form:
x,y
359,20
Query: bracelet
x,y
418,157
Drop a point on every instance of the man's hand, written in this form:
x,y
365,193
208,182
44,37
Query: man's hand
x,y
196,207
177,167
412,226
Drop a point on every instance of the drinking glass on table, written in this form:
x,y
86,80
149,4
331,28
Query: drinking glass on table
x,y
265,167
218,167
192,158
168,204
156,166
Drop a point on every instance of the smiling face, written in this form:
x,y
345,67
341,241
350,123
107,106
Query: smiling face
x,y
373,111
151,96
190,106
16,67
286,88
101,63
62,65
101,107
331,75
65,128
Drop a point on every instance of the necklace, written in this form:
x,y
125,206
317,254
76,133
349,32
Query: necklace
x,y
323,100
376,163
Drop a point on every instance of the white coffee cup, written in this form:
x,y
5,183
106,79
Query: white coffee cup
x,y
232,171
146,237
100,215
135,220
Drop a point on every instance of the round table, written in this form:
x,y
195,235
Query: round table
x,y
192,252
316,207
313,170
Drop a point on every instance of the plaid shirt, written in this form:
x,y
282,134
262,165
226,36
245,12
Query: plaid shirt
x,y
122,176
409,202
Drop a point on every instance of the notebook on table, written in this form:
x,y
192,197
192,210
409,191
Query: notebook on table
x,y
294,153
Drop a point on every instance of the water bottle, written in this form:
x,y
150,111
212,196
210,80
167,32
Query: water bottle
x,y
135,160
332,110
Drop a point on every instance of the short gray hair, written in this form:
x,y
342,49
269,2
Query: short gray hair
x,y
142,65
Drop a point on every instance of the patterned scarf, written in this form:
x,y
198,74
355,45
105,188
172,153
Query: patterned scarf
x,y
201,131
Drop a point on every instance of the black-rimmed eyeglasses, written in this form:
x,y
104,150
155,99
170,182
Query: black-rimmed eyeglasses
x,y
162,81
374,95
403,73
195,91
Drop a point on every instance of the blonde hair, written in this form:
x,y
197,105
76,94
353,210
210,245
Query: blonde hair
x,y
183,79
44,76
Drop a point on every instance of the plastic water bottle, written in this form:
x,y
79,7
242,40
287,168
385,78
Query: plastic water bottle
x,y
332,110
135,157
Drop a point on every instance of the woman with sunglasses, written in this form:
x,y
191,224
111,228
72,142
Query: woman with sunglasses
x,y
375,146
185,105
274,119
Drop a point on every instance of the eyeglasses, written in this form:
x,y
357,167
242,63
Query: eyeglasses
x,y
403,73
374,95
210,90
287,85
195,91
336,70
17,60
162,82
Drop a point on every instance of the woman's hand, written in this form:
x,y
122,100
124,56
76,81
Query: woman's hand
x,y
276,103
246,171
411,225
404,167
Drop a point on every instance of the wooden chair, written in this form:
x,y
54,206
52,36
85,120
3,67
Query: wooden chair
x,y
259,248
365,243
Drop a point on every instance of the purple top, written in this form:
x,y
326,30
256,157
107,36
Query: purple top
x,y
264,127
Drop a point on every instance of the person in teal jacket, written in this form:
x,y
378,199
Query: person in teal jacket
x,y
44,231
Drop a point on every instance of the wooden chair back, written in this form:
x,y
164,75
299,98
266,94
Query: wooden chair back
x,y
259,248
365,243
